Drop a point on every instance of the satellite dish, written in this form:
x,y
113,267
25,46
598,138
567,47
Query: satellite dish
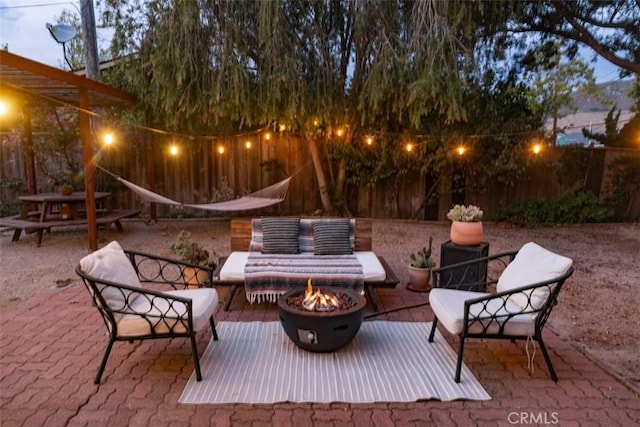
x,y
61,33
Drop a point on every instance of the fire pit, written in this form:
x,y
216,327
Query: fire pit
x,y
321,321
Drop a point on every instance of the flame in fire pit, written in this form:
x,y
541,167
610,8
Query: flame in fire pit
x,y
317,301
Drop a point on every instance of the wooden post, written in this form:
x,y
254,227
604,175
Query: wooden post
x,y
151,172
89,169
27,136
153,214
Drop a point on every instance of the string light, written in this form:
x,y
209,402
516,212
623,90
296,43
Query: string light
x,y
221,149
108,138
173,150
247,145
267,136
339,132
4,108
409,147
537,148
369,140
461,150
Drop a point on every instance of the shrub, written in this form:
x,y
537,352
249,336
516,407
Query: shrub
x,y
576,206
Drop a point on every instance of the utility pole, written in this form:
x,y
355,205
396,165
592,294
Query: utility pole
x,y
88,18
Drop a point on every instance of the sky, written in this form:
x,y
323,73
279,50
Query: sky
x,y
22,28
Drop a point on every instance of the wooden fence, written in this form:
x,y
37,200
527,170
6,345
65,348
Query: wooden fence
x,y
201,173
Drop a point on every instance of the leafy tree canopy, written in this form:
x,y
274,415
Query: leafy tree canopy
x,y
610,28
395,66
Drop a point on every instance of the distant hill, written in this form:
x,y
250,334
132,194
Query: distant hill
x,y
591,113
616,92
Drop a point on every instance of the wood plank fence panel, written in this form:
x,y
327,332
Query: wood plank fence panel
x,y
199,171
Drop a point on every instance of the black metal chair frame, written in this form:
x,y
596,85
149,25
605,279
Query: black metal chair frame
x,y
153,270
487,318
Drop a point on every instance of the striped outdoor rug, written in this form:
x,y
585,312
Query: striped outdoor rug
x,y
255,362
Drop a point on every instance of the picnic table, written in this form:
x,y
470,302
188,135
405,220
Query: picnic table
x,y
40,212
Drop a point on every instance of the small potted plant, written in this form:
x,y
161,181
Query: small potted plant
x,y
192,253
420,269
466,225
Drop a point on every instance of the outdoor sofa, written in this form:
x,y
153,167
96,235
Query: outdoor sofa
x,y
271,255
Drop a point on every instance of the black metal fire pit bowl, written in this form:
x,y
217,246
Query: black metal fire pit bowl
x,y
322,332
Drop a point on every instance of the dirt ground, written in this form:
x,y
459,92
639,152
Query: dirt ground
x,y
598,309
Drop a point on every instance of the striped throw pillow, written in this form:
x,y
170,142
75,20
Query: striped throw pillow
x,y
280,235
331,237
306,235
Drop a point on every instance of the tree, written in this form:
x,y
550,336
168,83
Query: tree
x,y
610,135
331,70
315,67
610,28
555,82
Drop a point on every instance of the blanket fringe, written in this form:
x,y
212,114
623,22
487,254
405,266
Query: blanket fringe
x,y
263,296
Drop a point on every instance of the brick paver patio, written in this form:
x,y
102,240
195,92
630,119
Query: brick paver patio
x,y
52,344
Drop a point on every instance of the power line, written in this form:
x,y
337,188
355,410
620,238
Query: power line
x,y
27,6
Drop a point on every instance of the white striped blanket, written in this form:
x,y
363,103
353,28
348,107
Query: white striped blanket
x,y
269,275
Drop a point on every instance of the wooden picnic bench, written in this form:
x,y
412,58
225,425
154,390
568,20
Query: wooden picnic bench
x,y
31,226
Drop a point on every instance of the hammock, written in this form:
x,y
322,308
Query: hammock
x,y
268,196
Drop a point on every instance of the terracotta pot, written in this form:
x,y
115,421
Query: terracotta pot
x,y
419,279
66,191
467,233
194,277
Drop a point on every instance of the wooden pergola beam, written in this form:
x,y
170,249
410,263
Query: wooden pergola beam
x,y
32,78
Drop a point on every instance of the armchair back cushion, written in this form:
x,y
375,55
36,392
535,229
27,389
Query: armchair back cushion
x,y
532,264
112,264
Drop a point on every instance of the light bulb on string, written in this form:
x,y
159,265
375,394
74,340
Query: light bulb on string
x,y
409,147
461,150
221,149
537,148
267,136
108,139
369,140
247,145
173,150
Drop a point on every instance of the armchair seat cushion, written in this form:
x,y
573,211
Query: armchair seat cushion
x,y
448,306
162,316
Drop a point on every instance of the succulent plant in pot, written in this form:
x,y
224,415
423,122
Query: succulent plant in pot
x,y
420,268
466,225
464,213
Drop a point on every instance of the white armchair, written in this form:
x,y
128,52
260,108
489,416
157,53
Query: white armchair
x,y
132,312
526,291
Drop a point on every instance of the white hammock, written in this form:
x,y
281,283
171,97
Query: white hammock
x,y
268,196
